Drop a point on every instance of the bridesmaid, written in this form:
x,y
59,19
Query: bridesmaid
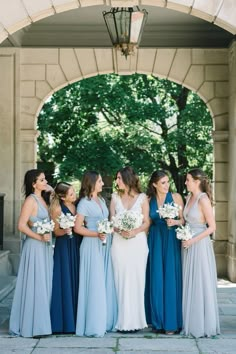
x,y
164,270
97,305
200,309
30,313
65,284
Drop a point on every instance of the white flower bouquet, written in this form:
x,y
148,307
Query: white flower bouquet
x,y
44,227
127,220
184,233
105,227
67,221
169,210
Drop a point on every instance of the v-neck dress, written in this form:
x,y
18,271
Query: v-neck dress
x,y
129,259
163,297
97,304
30,313
200,309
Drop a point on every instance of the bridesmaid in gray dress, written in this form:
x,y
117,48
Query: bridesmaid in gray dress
x,y
30,313
200,309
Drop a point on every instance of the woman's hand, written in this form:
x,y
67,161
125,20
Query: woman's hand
x,y
102,236
187,244
68,231
128,234
172,222
45,237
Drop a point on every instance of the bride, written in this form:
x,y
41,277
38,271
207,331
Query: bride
x,y
129,252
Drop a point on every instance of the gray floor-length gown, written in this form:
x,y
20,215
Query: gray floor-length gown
x,y
200,309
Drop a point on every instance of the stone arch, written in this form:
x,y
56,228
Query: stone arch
x,y
220,12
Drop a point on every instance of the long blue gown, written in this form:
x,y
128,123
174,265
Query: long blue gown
x,y
97,304
163,296
30,313
65,285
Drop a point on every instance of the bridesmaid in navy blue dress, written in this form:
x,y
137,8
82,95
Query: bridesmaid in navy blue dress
x,y
66,263
164,271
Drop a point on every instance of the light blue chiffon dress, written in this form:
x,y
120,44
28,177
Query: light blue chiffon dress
x,y
200,309
97,304
30,313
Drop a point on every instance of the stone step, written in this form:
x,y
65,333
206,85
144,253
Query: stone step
x,y
5,265
7,284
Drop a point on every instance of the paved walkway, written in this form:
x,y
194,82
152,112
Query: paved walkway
x,y
142,342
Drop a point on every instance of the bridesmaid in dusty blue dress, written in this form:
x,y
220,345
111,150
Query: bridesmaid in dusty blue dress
x,y
163,296
97,305
200,308
65,284
30,313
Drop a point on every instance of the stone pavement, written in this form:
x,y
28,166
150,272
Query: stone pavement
x,y
141,342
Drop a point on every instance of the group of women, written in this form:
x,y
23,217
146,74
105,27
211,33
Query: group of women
x,y
144,276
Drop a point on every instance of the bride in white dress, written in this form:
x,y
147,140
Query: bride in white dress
x,y
129,252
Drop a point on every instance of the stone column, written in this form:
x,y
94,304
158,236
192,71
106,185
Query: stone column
x,y
231,248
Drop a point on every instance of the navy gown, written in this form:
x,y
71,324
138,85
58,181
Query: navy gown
x,y
65,284
163,297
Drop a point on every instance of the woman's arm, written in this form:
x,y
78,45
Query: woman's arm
x,y
57,230
177,222
83,231
205,206
29,208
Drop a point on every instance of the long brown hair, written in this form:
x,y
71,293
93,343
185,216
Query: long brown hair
x,y
88,184
155,177
60,191
205,185
130,179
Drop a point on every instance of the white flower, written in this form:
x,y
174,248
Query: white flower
x,y
169,210
128,220
44,227
66,221
184,232
105,227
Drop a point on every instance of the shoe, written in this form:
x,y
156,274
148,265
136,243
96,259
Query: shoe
x,y
158,331
170,333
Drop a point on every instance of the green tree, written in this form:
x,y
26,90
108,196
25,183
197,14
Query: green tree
x,y
109,121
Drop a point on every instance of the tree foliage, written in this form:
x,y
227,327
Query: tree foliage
x,y
109,121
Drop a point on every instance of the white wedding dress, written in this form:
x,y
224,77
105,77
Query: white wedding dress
x,y
129,259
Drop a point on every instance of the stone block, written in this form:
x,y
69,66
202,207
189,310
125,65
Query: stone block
x,y
221,211
226,16
221,233
69,64
125,66
29,105
206,9
163,62
181,65
160,3
146,59
231,261
28,153
221,191
39,10
222,89
63,5
55,76
180,5
97,2
43,89
216,72
221,172
220,152
28,121
104,59
87,62
39,56
207,91
221,122
27,88
219,106
195,77
209,56
33,72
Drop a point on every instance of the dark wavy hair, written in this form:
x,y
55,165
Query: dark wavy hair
x,y
155,177
88,184
205,185
30,178
130,179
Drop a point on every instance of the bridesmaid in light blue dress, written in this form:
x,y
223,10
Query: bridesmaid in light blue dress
x,y
200,309
97,305
30,313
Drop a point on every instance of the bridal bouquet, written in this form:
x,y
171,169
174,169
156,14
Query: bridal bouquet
x,y
105,227
44,227
184,233
169,210
67,221
127,220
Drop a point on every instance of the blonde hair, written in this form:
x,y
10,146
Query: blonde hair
x,y
60,191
